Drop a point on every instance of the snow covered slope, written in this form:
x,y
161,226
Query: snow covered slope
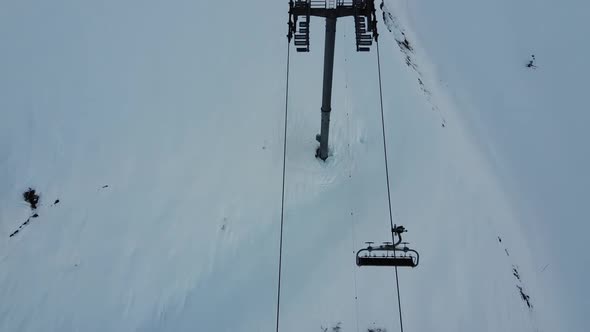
x,y
529,124
158,127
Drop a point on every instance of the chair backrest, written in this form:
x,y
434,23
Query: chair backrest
x,y
406,261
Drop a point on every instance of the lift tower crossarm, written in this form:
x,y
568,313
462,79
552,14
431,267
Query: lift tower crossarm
x,y
365,23
325,12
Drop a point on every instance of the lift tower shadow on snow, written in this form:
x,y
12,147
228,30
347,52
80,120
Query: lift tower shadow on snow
x,y
365,24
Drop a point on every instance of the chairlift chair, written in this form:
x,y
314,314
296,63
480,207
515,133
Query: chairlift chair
x,y
391,254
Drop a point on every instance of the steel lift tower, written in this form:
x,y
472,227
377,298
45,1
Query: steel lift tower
x,y
365,23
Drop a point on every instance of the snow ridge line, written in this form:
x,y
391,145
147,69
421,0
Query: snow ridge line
x,y
399,35
520,284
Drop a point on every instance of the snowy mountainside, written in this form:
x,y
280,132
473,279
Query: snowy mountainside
x,y
528,122
158,127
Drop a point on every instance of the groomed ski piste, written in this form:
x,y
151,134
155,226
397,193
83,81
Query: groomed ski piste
x,y
153,134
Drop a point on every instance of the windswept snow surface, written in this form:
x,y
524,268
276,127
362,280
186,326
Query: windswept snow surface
x,y
530,126
158,127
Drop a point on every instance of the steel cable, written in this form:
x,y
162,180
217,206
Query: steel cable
x,y
387,179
